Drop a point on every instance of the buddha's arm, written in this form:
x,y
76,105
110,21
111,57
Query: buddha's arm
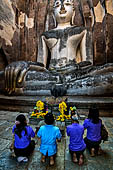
x,y
83,46
43,51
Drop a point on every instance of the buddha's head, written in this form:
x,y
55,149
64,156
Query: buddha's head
x,y
63,11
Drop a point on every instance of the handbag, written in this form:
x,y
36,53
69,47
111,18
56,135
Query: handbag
x,y
11,147
104,133
12,144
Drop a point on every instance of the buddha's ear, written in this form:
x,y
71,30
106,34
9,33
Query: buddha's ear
x,y
55,22
73,16
72,20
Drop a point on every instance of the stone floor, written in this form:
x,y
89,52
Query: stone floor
x,y
63,160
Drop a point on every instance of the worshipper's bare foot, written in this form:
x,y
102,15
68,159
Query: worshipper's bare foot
x,y
92,152
13,155
100,151
43,159
81,161
52,160
75,158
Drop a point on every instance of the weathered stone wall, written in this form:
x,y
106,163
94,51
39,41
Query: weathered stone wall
x,y
23,21
103,34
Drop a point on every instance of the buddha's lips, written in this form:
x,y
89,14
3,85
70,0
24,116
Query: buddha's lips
x,y
63,11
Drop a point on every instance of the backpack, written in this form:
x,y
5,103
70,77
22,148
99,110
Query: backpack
x,y
104,133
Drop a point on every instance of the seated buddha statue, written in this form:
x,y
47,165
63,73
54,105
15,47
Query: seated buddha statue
x,y
61,52
65,43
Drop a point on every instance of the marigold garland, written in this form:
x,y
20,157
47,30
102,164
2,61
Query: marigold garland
x,y
62,108
38,111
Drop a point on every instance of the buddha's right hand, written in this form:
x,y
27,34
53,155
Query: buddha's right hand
x,y
16,71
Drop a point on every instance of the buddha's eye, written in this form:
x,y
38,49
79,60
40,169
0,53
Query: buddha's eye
x,y
57,4
67,4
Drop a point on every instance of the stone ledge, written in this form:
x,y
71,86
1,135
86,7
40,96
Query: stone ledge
x,y
26,103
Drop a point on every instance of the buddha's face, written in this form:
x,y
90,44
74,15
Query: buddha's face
x,y
63,10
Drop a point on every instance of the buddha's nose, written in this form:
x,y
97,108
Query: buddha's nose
x,y
62,7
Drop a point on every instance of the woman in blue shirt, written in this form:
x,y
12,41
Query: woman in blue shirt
x,y
93,126
48,135
23,145
77,145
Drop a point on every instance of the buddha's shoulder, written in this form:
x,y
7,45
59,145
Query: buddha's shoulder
x,y
75,30
55,33
78,27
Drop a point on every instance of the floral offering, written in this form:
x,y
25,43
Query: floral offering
x,y
39,110
62,109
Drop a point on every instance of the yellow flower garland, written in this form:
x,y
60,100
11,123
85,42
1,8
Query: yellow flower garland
x,y
39,107
39,111
62,108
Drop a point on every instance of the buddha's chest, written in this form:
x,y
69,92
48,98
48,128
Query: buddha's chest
x,y
61,39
